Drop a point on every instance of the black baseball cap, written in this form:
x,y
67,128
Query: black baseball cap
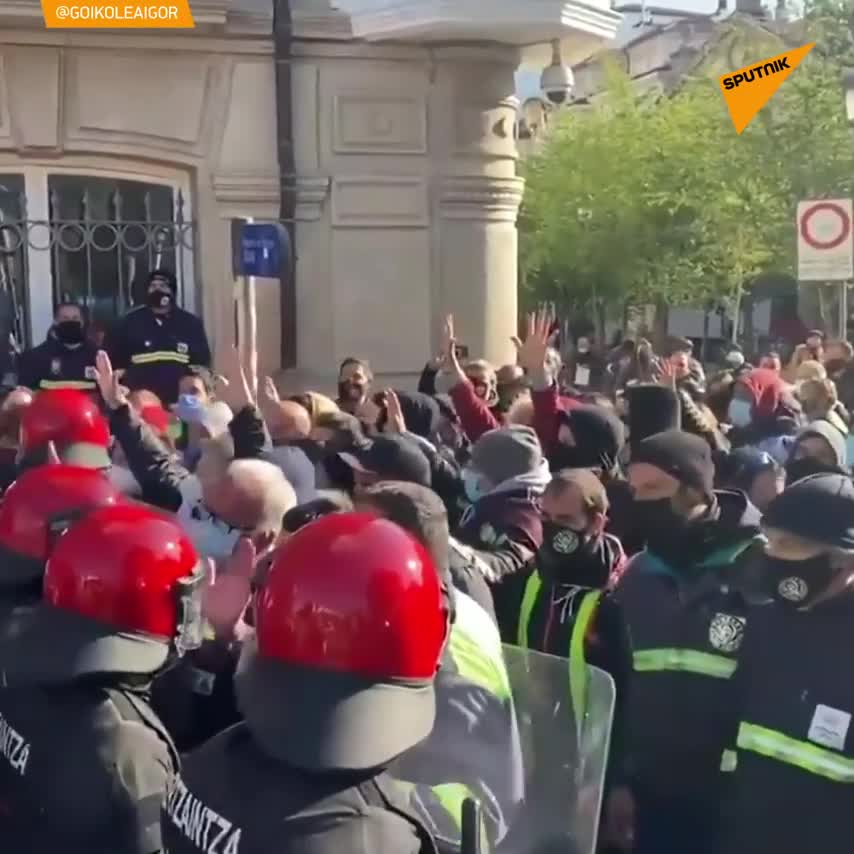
x,y
391,457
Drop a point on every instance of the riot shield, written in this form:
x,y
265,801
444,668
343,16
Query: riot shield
x,y
535,766
564,755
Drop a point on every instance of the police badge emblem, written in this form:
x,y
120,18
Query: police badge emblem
x,y
726,632
793,589
565,542
55,367
182,348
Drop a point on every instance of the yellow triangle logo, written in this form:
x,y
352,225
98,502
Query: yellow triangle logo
x,y
747,90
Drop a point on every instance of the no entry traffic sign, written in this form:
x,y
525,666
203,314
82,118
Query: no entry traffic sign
x,y
825,240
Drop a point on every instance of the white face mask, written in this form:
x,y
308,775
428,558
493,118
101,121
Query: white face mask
x,y
211,537
739,413
123,480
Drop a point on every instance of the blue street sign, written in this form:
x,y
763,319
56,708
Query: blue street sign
x,y
263,250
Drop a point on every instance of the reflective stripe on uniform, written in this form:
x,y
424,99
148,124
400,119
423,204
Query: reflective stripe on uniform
x,y
475,647
729,761
160,356
83,385
575,654
808,757
686,660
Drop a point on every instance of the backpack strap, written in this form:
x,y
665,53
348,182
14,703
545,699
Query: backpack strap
x,y
381,792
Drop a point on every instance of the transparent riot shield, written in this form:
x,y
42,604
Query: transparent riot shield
x,y
536,768
564,755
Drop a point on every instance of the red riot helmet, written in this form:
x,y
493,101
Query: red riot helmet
x,y
122,593
73,422
36,506
350,625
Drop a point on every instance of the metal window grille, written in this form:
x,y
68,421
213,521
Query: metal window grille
x,y
104,237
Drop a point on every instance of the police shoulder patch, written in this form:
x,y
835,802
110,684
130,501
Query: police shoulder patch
x,y
726,632
55,366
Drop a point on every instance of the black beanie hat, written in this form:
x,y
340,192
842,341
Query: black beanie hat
x,y
818,508
684,456
652,409
166,276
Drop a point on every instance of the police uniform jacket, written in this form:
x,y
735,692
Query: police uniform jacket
x,y
52,365
231,798
790,776
686,626
83,768
155,350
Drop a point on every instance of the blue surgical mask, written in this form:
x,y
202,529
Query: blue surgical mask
x,y
471,484
188,408
739,413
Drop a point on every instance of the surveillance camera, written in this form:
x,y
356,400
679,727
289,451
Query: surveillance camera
x,y
557,80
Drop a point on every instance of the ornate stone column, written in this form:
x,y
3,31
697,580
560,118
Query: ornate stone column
x,y
478,194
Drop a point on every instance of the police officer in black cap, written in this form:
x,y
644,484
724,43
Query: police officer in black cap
x,y
156,342
791,768
65,359
84,761
338,681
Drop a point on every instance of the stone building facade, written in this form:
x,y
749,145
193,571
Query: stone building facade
x,y
127,149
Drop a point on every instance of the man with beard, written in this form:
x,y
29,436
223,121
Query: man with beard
x,y
685,613
567,608
789,780
354,385
66,359
156,342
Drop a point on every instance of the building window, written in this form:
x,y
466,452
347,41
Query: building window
x,y
88,239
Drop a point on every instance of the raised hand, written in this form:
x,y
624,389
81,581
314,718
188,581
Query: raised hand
x,y
109,381
395,422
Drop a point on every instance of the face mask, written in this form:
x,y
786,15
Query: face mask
x,y
472,485
739,413
796,582
69,332
667,534
574,457
189,408
804,467
565,557
211,537
158,299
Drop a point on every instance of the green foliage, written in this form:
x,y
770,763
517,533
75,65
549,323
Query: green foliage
x,y
643,198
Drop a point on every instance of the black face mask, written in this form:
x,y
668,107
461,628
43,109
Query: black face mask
x,y
565,557
159,299
678,541
796,583
573,457
804,467
69,332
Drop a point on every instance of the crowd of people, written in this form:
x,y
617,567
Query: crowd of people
x,y
238,620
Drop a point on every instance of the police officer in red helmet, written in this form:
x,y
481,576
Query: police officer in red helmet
x,y
338,681
33,507
72,422
84,761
